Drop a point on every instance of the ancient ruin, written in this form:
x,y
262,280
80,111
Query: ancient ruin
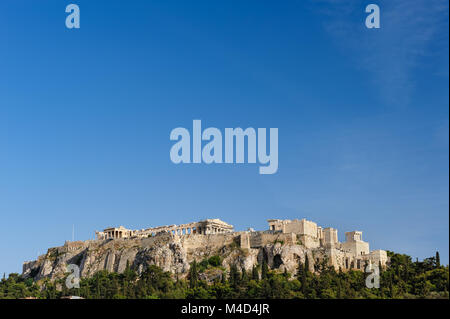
x,y
354,253
204,227
351,254
285,245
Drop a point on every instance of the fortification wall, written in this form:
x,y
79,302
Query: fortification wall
x,y
259,239
209,242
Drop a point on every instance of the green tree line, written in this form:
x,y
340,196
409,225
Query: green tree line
x,y
403,278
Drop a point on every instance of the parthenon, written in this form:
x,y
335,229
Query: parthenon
x,y
203,227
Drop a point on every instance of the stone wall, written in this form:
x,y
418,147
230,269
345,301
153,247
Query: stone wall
x,y
259,239
299,227
283,248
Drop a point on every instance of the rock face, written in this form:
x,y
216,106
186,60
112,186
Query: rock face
x,y
170,253
283,247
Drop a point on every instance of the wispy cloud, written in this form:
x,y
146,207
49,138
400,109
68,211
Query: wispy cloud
x,y
410,30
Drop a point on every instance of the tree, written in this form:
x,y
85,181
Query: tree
x,y
306,263
264,270
300,270
193,275
255,273
234,277
400,278
339,289
438,260
224,278
244,277
215,261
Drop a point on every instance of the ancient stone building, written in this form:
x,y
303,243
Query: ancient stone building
x,y
204,227
114,233
354,244
354,253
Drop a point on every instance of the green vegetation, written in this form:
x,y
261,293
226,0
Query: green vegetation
x,y
402,279
212,262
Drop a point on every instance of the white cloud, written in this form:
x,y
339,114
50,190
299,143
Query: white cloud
x,y
410,30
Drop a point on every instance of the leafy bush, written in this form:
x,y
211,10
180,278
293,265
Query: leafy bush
x,y
215,261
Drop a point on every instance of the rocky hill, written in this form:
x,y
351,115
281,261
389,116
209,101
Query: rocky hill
x,y
171,253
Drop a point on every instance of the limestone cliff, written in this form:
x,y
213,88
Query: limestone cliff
x,y
169,252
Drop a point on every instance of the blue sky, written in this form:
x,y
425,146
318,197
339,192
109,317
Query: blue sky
x,y
85,118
